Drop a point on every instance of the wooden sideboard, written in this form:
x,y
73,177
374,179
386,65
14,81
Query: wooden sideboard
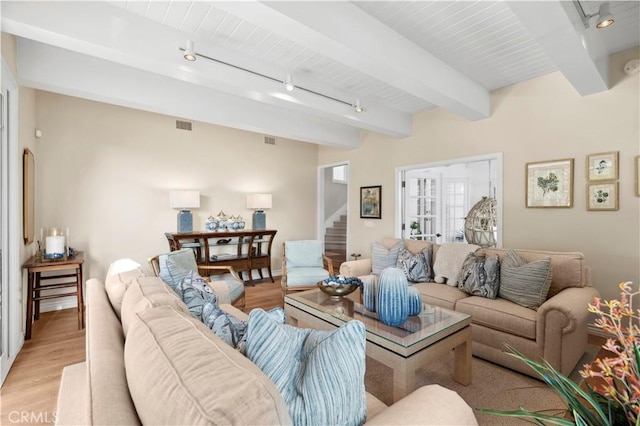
x,y
243,250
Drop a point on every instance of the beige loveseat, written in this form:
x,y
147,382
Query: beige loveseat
x,y
157,364
556,331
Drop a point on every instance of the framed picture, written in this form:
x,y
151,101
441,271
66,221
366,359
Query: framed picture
x,y
28,194
602,166
549,183
637,167
602,196
371,202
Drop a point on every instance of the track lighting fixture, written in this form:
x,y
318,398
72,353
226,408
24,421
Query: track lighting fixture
x,y
288,83
191,55
189,52
605,18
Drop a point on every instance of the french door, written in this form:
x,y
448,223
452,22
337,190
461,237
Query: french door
x,y
11,337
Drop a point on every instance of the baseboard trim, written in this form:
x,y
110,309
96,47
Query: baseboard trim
x,y
58,305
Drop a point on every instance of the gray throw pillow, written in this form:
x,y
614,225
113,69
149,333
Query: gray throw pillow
x,y
417,267
526,284
480,276
382,257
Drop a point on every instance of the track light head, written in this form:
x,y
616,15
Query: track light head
x,y
605,18
189,52
288,83
358,106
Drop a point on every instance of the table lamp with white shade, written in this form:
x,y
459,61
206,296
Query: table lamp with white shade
x,y
184,200
259,202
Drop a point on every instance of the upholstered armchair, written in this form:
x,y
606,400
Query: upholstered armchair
x,y
303,265
173,267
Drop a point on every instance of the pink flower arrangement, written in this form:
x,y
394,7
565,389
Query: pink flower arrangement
x,y
619,373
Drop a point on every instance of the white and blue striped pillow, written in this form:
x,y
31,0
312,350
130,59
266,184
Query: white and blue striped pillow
x,y
320,374
526,284
382,257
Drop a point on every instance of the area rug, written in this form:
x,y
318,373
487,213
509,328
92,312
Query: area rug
x,y
492,387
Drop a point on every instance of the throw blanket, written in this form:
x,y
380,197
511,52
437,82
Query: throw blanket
x,y
449,260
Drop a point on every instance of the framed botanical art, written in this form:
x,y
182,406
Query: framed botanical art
x,y
549,183
371,202
602,196
602,166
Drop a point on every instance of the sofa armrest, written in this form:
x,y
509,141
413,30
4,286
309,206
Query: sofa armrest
x,y
427,405
356,268
561,326
72,407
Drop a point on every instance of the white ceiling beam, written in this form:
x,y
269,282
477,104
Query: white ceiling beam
x,y
346,34
579,53
114,34
58,70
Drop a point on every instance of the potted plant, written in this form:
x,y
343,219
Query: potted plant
x,y
615,398
415,229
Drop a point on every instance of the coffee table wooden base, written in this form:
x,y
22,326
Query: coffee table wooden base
x,y
404,368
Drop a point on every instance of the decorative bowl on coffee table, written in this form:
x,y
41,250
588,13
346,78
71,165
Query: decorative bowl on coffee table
x,y
338,286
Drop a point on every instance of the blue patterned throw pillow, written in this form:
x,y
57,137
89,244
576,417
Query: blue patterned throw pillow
x,y
320,374
480,276
195,292
230,329
417,267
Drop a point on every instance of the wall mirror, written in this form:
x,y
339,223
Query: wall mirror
x,y
434,199
28,194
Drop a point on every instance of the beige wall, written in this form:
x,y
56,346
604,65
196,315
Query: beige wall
x,y
537,120
106,171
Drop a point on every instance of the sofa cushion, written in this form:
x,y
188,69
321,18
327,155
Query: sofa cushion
x,y
180,373
526,284
480,276
569,268
305,277
440,294
146,293
320,374
175,265
119,277
449,260
383,257
500,314
416,267
303,254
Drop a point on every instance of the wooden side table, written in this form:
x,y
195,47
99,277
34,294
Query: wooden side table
x,y
35,267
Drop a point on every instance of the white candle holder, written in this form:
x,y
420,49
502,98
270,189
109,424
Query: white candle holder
x,y
55,243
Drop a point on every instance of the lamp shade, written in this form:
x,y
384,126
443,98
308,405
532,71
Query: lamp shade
x,y
258,201
184,199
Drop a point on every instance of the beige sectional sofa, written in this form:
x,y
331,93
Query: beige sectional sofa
x,y
556,331
166,367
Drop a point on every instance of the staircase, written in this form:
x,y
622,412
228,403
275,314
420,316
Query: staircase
x,y
335,242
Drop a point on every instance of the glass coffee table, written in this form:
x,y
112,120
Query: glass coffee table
x,y
405,348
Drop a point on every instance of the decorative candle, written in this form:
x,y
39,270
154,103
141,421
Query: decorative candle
x,y
55,245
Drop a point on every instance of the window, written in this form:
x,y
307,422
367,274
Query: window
x,y
340,174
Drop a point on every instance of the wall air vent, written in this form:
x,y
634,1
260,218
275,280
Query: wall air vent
x,y
183,125
269,140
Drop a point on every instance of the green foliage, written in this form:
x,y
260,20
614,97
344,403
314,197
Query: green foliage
x,y
548,184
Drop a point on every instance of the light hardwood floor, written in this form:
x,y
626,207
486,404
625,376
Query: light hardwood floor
x,y
30,392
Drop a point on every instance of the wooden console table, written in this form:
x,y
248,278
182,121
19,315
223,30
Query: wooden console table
x,y
244,251
35,266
